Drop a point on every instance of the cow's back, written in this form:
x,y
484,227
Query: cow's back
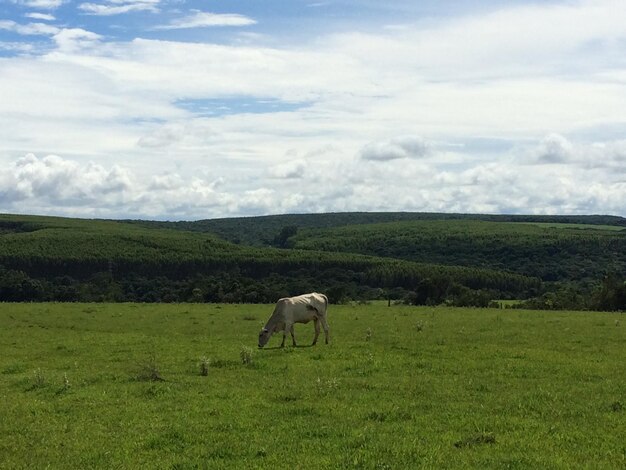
x,y
303,308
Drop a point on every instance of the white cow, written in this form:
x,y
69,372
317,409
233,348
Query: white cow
x,y
300,309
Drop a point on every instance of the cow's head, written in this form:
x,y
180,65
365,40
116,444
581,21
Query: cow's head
x,y
264,336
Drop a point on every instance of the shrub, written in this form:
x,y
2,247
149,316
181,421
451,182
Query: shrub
x,y
66,383
205,362
39,379
149,371
245,355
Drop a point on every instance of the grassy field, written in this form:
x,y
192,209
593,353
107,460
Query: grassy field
x,y
122,386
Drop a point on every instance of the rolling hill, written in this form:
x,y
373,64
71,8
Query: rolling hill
x,y
563,252
262,231
47,258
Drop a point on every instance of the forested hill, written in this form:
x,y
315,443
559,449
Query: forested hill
x,y
44,258
551,251
266,230
560,261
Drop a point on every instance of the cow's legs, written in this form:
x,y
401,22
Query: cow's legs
x,y
293,336
317,330
325,326
282,345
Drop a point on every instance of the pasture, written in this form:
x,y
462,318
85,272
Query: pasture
x,y
184,386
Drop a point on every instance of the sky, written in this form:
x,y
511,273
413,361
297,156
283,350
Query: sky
x,y
187,110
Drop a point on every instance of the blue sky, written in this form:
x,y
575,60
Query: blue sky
x,y
187,110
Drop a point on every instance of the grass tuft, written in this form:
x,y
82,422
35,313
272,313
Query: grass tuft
x,y
475,440
66,385
326,386
245,354
149,371
378,416
205,362
39,380
16,368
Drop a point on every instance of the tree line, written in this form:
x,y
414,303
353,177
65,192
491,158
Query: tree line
x,y
55,259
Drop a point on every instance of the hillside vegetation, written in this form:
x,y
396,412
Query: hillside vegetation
x,y
259,231
554,262
44,258
552,252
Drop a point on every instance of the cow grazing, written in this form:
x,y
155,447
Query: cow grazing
x,y
300,309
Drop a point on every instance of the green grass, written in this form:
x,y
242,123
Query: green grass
x,y
508,303
121,386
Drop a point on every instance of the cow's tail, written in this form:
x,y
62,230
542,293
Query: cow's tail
x,y
325,302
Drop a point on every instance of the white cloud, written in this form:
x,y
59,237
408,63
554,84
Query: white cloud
x,y
75,39
291,169
168,181
83,189
66,186
517,41
40,16
33,29
514,75
396,148
203,19
119,7
61,181
16,47
554,148
42,4
163,136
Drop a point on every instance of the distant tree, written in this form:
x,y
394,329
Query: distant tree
x,y
17,286
282,239
612,293
197,296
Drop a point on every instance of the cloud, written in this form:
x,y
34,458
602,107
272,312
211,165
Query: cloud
x,y
521,40
30,29
42,4
57,185
202,19
611,155
396,148
82,189
58,180
163,136
119,7
75,39
168,181
40,16
554,148
512,74
557,149
292,169
16,47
